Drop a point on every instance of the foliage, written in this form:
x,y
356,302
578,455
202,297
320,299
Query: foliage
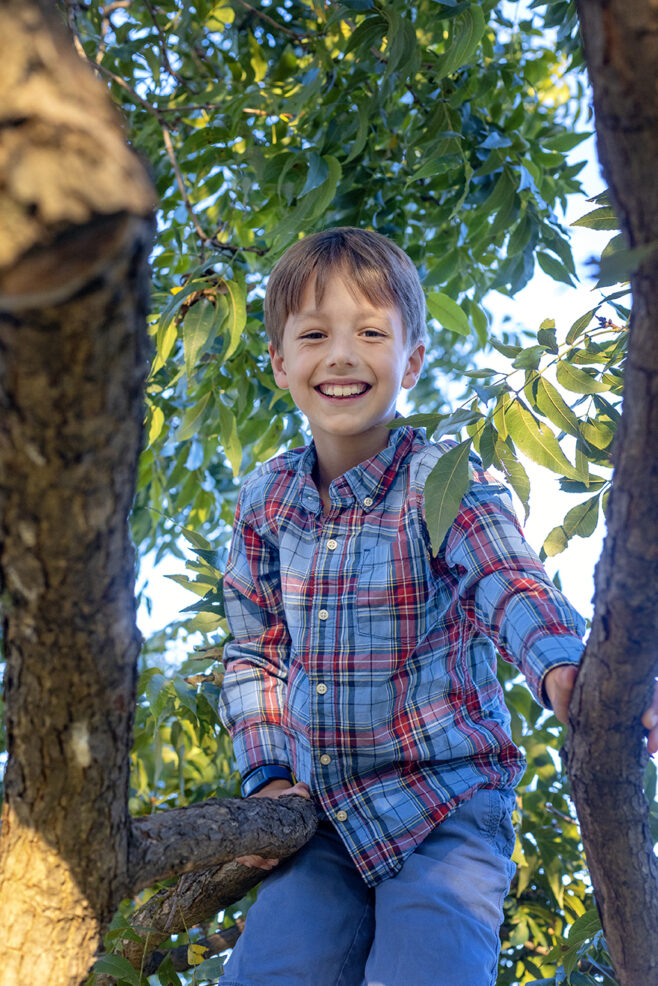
x,y
440,124
445,125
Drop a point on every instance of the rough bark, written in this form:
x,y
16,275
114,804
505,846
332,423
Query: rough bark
x,y
270,827
183,839
76,233
606,751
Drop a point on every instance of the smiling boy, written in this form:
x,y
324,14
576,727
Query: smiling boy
x,y
362,667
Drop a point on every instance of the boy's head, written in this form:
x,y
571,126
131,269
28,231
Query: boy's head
x,y
369,263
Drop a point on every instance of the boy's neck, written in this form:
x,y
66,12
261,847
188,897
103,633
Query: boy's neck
x,y
340,454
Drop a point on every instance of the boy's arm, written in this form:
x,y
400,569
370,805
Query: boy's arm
x,y
506,593
256,660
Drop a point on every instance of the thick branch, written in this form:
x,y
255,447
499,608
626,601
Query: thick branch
x,y
606,753
268,826
192,838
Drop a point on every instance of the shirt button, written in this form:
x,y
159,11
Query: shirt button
x,y
321,688
332,544
325,759
341,816
367,501
323,614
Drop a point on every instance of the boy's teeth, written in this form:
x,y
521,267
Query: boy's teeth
x,y
342,390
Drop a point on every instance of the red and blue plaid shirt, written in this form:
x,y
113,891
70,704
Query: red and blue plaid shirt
x,y
367,665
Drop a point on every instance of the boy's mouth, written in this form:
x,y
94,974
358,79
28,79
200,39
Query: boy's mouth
x,y
342,389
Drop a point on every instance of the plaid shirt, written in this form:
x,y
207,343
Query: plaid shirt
x,y
367,665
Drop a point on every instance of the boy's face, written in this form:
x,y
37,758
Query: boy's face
x,y
344,363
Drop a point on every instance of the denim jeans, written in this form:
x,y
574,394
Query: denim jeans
x,y
435,923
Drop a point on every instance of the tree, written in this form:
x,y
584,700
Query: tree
x,y
432,121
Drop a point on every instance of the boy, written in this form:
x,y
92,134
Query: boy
x,y
363,666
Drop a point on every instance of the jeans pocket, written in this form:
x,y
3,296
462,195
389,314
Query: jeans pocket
x,y
500,830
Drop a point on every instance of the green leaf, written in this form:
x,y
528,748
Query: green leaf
x,y
454,422
555,542
529,358
156,424
515,475
564,142
537,441
603,218
552,406
209,969
546,336
228,432
444,489
554,268
318,172
622,264
580,324
582,519
167,974
446,311
198,325
192,419
585,927
596,433
119,968
577,380
237,315
468,29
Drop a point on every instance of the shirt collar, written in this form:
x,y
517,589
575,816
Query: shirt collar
x,y
367,482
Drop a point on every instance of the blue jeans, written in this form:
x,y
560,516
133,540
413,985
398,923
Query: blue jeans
x,y
435,923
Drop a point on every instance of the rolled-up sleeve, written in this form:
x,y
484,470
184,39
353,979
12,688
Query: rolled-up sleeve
x,y
256,660
504,590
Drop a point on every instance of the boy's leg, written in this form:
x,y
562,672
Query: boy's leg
x,y
438,920
311,925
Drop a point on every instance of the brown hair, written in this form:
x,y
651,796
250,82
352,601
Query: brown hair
x,y
374,266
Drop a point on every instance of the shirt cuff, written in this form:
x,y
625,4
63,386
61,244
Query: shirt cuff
x,y
260,746
548,652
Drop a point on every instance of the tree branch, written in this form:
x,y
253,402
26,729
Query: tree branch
x,y
182,839
174,841
606,753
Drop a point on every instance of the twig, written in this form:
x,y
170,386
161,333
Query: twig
x,y
163,45
124,85
203,236
298,36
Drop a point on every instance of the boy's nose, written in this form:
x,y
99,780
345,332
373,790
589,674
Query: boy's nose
x,y
341,353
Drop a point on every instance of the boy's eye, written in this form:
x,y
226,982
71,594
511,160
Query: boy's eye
x,y
312,334
373,332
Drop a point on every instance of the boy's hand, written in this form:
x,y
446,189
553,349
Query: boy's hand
x,y
650,722
559,684
272,790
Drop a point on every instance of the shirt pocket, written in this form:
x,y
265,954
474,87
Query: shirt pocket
x,y
393,590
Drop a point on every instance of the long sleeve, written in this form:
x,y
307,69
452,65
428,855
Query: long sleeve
x,y
256,660
504,590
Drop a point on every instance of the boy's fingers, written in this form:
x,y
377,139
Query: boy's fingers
x,y
299,788
650,722
258,862
559,686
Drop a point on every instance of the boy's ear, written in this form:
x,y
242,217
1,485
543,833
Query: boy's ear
x,y
278,368
414,366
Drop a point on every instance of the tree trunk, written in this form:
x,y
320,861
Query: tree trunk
x,y
73,359
73,356
606,752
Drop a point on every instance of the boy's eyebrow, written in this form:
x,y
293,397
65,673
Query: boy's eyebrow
x,y
361,313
